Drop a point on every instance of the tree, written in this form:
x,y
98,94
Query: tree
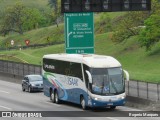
x,y
12,19
31,19
19,18
128,25
146,25
150,35
55,4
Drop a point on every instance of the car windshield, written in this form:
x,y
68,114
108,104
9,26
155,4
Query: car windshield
x,y
35,78
107,81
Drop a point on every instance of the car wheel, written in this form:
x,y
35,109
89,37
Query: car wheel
x,y
29,89
52,96
23,89
83,103
56,97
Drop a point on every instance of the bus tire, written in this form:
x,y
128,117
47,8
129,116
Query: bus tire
x,y
113,107
83,103
52,96
56,97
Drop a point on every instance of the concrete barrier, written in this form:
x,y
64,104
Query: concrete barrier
x,y
11,78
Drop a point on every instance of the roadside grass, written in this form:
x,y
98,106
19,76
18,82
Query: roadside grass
x,y
37,36
30,3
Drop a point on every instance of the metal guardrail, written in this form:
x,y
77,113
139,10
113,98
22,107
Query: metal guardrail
x,y
138,89
145,90
19,69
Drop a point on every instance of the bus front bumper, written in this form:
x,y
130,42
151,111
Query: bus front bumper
x,y
103,104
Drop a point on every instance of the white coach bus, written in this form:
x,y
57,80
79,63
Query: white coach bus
x,y
90,80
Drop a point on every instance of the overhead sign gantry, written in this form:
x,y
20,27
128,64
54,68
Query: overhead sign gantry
x,y
104,5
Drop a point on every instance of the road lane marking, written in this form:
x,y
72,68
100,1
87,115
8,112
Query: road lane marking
x,y
5,107
112,118
4,92
53,104
125,108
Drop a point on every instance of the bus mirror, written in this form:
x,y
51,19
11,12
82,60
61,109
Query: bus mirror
x,y
89,76
127,75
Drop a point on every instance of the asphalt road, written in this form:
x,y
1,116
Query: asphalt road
x,y
12,98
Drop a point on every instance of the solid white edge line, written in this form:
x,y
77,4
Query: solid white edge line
x,y
112,118
5,107
4,92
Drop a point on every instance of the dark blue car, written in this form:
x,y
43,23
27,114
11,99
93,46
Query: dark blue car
x,y
32,83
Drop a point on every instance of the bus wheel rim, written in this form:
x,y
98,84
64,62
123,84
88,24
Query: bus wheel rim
x,y
83,104
56,97
52,96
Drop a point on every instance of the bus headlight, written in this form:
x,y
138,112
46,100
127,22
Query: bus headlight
x,y
95,98
122,97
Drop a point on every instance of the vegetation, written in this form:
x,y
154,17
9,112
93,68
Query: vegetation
x,y
150,35
56,6
144,24
20,16
37,36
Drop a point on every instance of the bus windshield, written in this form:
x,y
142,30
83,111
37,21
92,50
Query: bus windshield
x,y
107,81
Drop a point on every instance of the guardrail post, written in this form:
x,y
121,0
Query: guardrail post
x,y
34,69
147,90
18,69
137,88
23,68
158,91
28,69
3,66
128,87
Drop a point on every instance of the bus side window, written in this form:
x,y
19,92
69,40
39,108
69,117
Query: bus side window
x,y
76,70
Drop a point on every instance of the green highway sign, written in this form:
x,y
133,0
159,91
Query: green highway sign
x,y
79,33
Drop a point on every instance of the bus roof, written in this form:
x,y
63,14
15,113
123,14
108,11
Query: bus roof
x,y
91,60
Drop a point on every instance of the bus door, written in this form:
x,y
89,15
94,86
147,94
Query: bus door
x,y
88,86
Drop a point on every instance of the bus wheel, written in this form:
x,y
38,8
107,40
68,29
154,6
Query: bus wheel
x,y
56,97
52,98
113,107
83,104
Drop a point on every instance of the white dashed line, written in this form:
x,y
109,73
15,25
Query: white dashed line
x,y
1,91
53,104
111,118
5,107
